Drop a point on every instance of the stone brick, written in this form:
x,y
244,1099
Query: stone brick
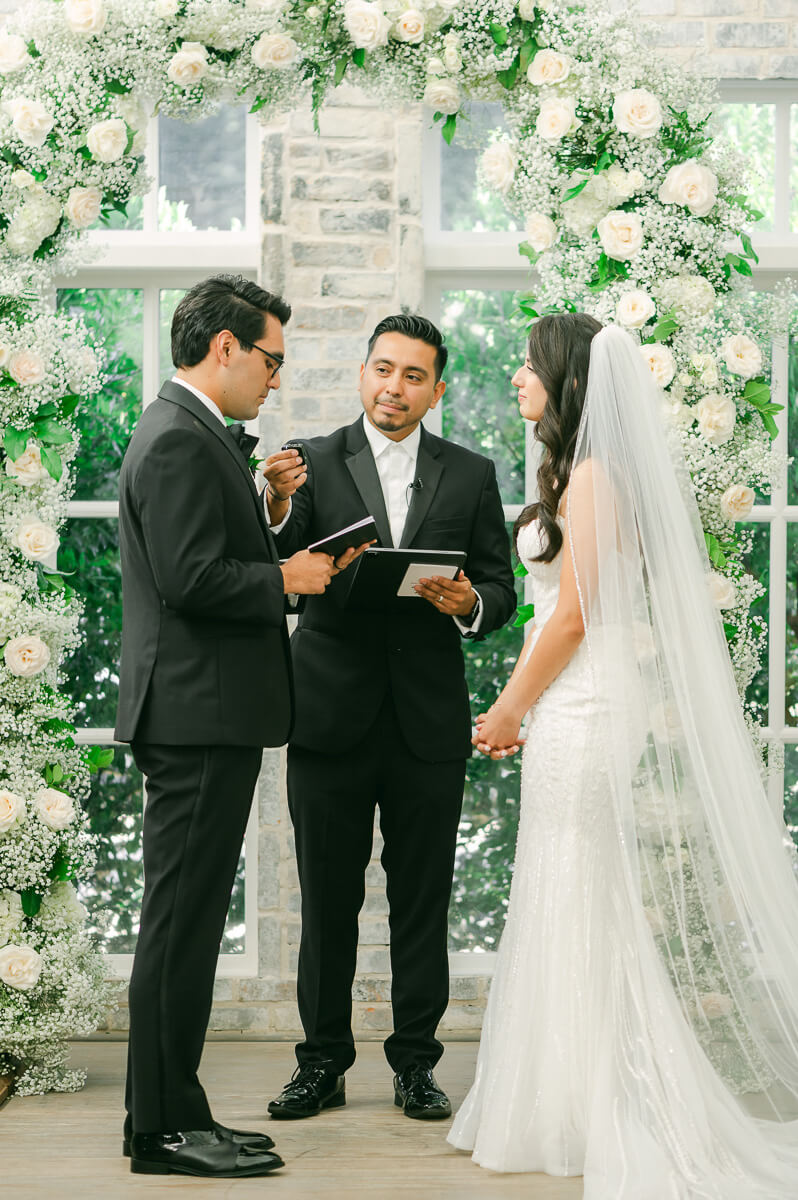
x,y
465,987
284,1018
223,991
463,1016
322,379
372,991
758,34
272,178
239,1018
329,316
677,33
342,123
375,903
269,942
267,990
355,220
784,66
411,268
374,931
781,8
408,140
340,410
272,262
378,1017
372,962
711,8
346,349
364,157
651,8
268,870
305,151
368,285
306,408
723,65
341,188
375,875
270,780
306,350
325,254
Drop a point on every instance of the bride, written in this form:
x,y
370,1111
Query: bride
x,y
642,1026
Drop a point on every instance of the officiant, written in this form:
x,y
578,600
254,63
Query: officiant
x,y
382,711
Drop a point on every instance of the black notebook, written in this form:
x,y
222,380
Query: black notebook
x,y
384,576
343,539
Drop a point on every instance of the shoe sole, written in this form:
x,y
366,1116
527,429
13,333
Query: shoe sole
x,y
398,1100
336,1101
139,1166
126,1148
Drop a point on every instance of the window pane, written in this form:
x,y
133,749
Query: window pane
x,y
751,127
169,300
792,423
90,548
489,824
791,684
757,563
106,421
485,336
202,172
791,790
464,204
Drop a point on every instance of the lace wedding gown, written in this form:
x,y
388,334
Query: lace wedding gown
x,y
587,1065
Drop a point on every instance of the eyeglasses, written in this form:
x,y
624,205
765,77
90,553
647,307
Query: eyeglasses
x,y
274,362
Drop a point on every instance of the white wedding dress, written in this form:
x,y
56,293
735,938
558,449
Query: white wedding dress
x,y
618,1042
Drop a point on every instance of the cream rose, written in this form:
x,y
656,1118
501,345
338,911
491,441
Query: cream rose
x,y
10,597
30,120
55,809
442,95
736,502
742,356
634,309
36,540
13,53
12,809
26,656
410,27
623,184
85,17
548,67
691,185
83,206
660,362
722,590
637,112
497,166
189,65
716,417
20,967
107,140
27,367
11,914
274,51
541,232
366,24
27,469
621,234
557,117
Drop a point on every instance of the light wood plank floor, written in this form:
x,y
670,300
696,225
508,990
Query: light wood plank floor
x,y
70,1145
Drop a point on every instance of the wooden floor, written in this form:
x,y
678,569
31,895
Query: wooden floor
x,y
70,1146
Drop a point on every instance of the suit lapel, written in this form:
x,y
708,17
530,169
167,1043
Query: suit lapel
x,y
429,469
363,470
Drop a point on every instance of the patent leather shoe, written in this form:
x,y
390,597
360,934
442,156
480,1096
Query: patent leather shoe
x,y
200,1152
417,1093
312,1087
241,1137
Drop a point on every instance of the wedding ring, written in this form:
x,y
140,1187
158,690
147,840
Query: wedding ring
x,y
440,599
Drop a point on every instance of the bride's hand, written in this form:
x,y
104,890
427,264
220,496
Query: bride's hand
x,y
497,732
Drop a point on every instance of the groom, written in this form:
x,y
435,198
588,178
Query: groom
x,y
205,683
382,711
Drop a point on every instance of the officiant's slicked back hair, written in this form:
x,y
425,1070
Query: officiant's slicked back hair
x,y
222,302
559,353
415,327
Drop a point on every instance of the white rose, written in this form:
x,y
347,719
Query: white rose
x,y
742,356
722,590
12,809
634,309
165,8
452,60
582,214
27,367
638,112
621,234
548,67
83,206
541,232
680,415
30,120
26,656
188,66
688,295
442,95
4,354
449,5
736,502
497,166
85,17
691,185
27,469
61,906
366,24
13,53
22,179
36,220
436,66
622,185
107,140
556,118
20,967
11,914
716,417
274,51
10,597
526,10
55,809
36,540
410,26
660,362
266,6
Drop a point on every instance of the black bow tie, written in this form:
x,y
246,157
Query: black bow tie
x,y
245,441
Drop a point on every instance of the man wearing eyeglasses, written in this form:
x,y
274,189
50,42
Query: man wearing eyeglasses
x,y
205,684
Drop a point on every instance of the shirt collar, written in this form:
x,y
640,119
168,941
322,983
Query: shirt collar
x,y
380,443
206,400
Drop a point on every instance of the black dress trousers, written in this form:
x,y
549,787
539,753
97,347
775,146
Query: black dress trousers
x,y
332,798
198,801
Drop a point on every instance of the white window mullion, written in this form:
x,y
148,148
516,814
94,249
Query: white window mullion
x,y
150,201
150,370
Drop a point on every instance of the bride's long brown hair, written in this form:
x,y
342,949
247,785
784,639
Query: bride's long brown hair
x,y
559,353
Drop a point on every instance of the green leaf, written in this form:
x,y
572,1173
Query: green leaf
x,y
527,53
46,410
519,570
69,404
15,441
528,310
99,757
508,77
359,57
730,631
663,329
716,555
525,613
61,869
258,103
770,425
499,33
340,70
31,901
52,431
449,128
748,248
756,392
52,463
576,189
528,252
32,51
117,88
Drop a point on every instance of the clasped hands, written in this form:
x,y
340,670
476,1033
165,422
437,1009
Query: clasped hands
x,y
497,730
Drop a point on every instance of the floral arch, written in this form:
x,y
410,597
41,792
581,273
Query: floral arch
x,y
633,211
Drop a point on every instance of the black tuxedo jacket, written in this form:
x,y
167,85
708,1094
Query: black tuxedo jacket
x,y
205,654
344,661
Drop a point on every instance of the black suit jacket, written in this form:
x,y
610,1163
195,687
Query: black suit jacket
x,y
344,661
205,654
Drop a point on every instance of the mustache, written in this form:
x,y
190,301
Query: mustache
x,y
390,400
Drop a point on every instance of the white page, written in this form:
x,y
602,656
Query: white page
x,y
425,570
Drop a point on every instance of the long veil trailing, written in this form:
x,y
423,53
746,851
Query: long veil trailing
x,y
705,990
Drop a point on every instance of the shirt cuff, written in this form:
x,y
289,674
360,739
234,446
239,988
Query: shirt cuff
x,y
473,629
277,528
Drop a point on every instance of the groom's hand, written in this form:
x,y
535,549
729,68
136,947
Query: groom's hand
x,y
307,574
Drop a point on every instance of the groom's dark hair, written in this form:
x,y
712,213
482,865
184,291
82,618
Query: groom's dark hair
x,y
222,302
413,326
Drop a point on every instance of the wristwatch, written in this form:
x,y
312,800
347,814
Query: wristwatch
x,y
471,615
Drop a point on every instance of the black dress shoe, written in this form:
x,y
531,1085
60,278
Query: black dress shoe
x,y
416,1091
241,1137
201,1152
312,1088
